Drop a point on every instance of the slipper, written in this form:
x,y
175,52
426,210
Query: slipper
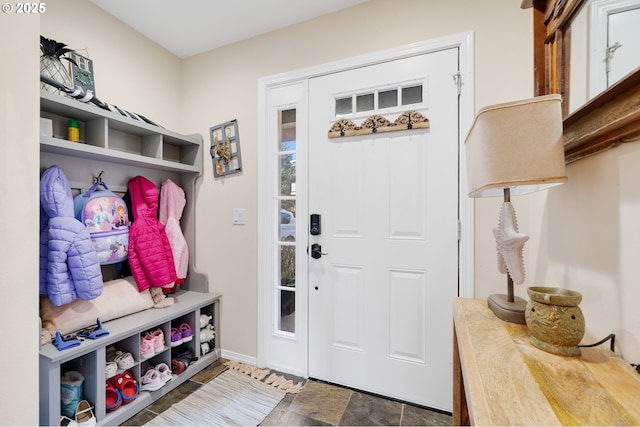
x,y
93,332
65,343
151,381
126,385
114,398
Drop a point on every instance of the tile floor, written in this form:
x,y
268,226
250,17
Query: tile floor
x,y
318,404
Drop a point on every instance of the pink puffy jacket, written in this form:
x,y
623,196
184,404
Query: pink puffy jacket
x,y
150,255
172,203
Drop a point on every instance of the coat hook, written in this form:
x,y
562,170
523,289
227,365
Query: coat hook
x,y
98,179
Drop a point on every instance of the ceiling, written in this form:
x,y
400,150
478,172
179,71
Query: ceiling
x,y
189,27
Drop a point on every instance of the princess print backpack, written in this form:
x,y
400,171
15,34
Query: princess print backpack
x,y
107,219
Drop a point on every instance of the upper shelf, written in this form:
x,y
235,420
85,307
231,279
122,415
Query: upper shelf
x,y
105,135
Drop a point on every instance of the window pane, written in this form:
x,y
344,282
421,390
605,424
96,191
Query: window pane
x,y
285,283
288,220
289,116
287,130
412,95
388,98
364,102
288,174
287,311
288,266
344,106
288,142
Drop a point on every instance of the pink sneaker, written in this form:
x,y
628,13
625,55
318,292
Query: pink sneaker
x,y
147,346
158,339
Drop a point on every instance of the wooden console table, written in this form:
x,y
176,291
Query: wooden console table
x,y
501,379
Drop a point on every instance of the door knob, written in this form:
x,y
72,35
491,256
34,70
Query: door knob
x,y
316,251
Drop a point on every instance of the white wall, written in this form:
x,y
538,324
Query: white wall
x,y
19,186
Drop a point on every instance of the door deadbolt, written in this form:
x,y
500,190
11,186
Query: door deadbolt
x,y
314,227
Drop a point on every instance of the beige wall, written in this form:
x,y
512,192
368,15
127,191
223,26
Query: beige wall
x,y
131,71
19,177
576,242
587,238
194,94
222,85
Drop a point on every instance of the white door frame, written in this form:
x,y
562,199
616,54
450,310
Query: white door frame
x,y
465,43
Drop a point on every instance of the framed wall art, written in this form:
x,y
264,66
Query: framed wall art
x,y
225,149
82,73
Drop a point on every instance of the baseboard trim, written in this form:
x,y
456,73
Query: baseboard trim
x,y
231,355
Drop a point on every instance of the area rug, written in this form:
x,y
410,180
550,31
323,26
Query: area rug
x,y
230,399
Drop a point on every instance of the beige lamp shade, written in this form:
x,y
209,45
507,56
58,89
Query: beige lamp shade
x,y
518,145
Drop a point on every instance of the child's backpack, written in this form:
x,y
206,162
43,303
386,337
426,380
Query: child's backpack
x,y
106,217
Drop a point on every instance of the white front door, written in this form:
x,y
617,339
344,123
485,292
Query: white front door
x,y
380,298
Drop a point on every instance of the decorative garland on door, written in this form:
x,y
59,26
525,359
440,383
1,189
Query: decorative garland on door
x,y
379,124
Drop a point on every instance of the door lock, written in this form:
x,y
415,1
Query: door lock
x,y
314,227
316,251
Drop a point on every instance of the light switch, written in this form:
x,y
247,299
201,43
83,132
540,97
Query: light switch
x,y
238,216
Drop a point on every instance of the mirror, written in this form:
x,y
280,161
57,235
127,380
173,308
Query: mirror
x,y
578,53
602,48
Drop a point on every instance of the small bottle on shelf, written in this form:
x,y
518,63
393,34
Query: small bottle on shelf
x,y
73,131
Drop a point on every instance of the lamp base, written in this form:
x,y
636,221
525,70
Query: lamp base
x,y
510,311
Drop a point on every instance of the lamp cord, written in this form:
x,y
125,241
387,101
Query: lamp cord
x,y
611,337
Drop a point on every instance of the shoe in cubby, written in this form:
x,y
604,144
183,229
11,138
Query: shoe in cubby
x,y
204,320
147,346
176,337
158,337
126,385
113,397
84,414
207,333
70,392
185,331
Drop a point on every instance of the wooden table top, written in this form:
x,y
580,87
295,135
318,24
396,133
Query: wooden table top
x,y
510,382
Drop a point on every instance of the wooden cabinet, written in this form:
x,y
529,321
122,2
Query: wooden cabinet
x,y
501,379
116,148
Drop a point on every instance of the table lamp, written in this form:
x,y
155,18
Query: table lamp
x,y
511,149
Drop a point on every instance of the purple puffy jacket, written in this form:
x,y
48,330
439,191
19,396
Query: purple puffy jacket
x,y
69,266
150,255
